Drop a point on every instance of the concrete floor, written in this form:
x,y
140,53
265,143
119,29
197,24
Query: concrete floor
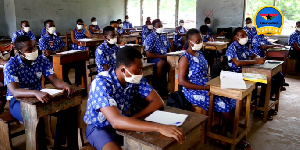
x,y
283,133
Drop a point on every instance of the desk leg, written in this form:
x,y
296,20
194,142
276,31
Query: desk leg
x,y
248,101
58,68
236,122
210,116
84,77
267,98
31,120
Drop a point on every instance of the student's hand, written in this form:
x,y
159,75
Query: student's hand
x,y
47,52
222,33
43,96
85,27
260,60
70,90
172,131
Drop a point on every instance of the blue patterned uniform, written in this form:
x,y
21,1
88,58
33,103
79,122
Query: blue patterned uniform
x,y
96,27
145,33
52,43
44,32
78,35
19,33
251,32
198,75
209,32
240,52
106,91
178,38
257,41
106,55
294,38
121,31
205,38
28,77
127,25
158,44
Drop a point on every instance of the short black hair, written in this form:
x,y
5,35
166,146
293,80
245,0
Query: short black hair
x,y
148,22
107,29
23,21
248,19
47,21
126,56
206,19
79,20
298,22
236,30
155,21
204,29
93,18
112,22
20,40
119,20
191,32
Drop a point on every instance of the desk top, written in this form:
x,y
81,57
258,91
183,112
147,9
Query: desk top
x,y
268,65
216,82
177,53
159,141
279,49
90,40
68,54
215,43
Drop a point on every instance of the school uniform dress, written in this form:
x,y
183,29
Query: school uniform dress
x,y
44,32
209,32
106,55
145,33
295,38
127,25
106,91
95,27
53,43
178,38
257,41
251,32
121,30
20,33
78,35
198,75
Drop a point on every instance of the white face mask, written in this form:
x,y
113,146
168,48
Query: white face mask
x,y
31,56
197,47
116,29
249,25
127,20
243,41
120,25
26,29
181,24
134,79
94,23
112,41
150,26
159,30
51,30
79,27
208,25
298,29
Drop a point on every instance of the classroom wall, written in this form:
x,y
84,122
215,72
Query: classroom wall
x,y
7,20
65,13
223,13
3,26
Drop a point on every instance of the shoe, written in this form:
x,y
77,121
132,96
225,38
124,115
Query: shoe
x,y
285,84
283,89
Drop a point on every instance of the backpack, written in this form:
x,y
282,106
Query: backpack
x,y
178,100
217,67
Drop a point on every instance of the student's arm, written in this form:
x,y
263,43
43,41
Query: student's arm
x,y
2,61
59,84
91,28
178,33
149,45
154,55
240,63
295,46
75,41
118,121
183,69
87,32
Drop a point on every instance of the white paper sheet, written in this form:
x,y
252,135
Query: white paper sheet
x,y
167,118
232,80
52,91
84,40
177,52
132,45
68,52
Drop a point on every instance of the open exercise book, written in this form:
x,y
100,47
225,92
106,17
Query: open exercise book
x,y
232,80
52,92
167,118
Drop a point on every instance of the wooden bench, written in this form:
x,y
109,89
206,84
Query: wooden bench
x,y
6,119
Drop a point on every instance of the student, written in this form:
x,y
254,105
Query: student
x,y
107,51
22,76
207,22
250,30
204,36
146,30
260,44
110,97
79,33
94,28
127,24
294,42
120,29
179,32
25,30
238,55
156,46
44,32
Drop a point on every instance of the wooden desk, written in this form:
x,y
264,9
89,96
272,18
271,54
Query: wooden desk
x,y
192,128
62,59
173,72
215,45
148,69
140,48
269,70
279,54
128,38
91,43
5,41
97,35
238,95
32,110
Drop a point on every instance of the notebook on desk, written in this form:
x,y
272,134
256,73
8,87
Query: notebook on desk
x,y
232,80
167,118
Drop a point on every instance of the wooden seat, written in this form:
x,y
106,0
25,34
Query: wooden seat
x,y
5,131
68,40
91,72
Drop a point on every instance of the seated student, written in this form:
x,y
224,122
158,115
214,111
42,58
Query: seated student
x,y
204,36
111,95
294,42
250,30
156,46
44,32
146,31
79,32
25,30
179,32
107,51
127,25
22,76
260,44
94,28
207,22
120,29
114,24
144,27
238,55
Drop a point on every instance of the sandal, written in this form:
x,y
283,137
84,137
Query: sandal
x,y
245,145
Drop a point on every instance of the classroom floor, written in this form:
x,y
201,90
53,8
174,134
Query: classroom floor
x,y
282,133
